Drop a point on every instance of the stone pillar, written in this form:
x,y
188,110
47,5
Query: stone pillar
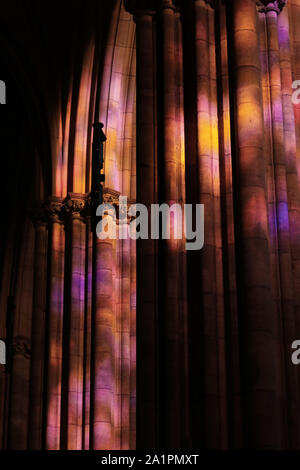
x,y
290,149
218,234
125,340
184,416
271,11
88,334
19,396
229,249
132,344
160,291
206,144
74,206
103,347
55,327
169,287
294,19
18,404
271,197
147,318
38,335
260,346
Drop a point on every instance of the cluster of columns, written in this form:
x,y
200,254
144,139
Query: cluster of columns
x,y
169,331
233,324
161,266
268,210
80,361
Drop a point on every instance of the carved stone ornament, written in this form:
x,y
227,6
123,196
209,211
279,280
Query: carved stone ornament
x,y
75,205
264,5
54,207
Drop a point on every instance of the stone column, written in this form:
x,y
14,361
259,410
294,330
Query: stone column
x,y
271,11
38,335
55,327
88,334
290,149
132,344
103,347
184,417
169,287
207,257
125,340
147,316
74,206
260,346
17,433
294,18
229,249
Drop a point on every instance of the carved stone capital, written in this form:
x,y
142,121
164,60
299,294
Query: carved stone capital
x,y
75,206
264,6
54,207
110,196
21,347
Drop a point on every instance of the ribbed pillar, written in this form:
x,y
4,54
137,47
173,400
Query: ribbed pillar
x,y
169,285
290,149
182,281
258,325
125,342
207,267
271,198
75,205
215,154
17,438
55,328
117,335
147,321
132,416
229,256
36,396
294,18
88,334
282,210
103,349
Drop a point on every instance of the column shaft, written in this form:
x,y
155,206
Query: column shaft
x,y
38,336
132,344
207,267
147,320
259,327
171,372
103,371
229,255
290,151
76,334
55,333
